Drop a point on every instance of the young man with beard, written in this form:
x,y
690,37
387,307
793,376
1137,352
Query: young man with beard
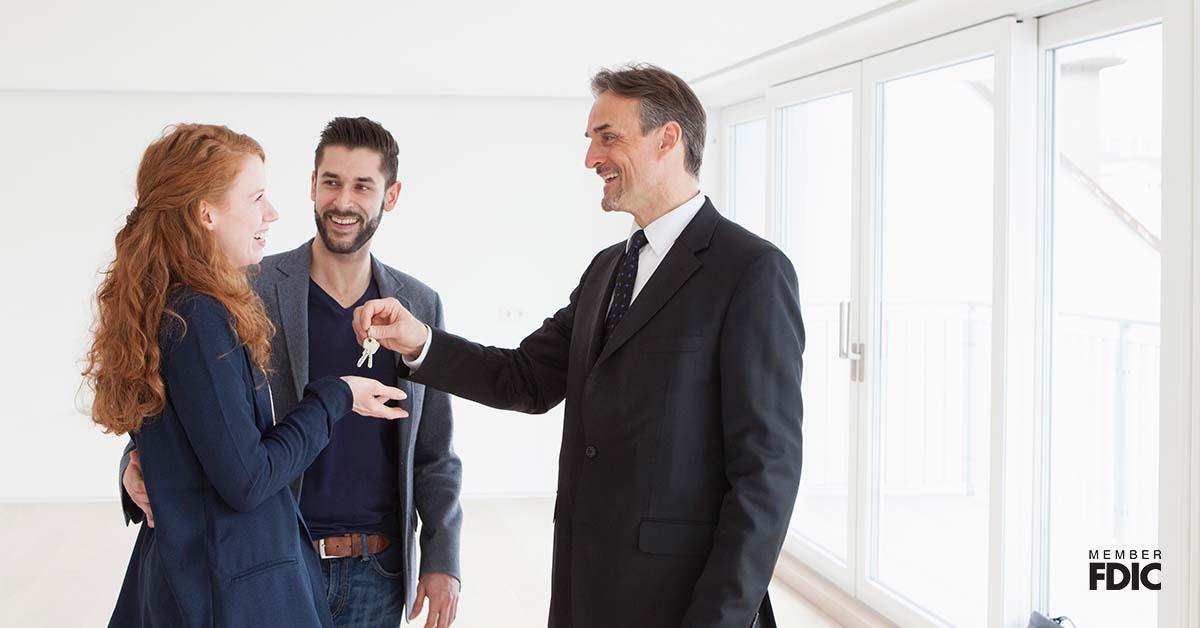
x,y
362,494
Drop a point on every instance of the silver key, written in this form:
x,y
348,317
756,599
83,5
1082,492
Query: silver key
x,y
370,346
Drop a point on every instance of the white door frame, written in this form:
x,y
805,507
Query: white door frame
x,y
843,80
1179,434
1010,42
1094,20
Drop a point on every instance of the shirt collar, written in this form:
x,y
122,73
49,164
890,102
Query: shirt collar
x,y
662,233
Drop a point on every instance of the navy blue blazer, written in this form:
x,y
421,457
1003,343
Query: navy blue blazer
x,y
229,548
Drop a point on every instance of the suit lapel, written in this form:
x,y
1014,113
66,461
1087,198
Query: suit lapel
x,y
390,285
679,264
292,293
593,303
666,280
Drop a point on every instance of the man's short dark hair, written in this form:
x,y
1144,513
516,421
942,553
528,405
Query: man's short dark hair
x,y
365,133
662,97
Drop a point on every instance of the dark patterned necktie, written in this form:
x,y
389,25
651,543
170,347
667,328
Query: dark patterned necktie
x,y
623,289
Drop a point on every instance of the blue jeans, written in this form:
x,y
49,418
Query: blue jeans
x,y
362,593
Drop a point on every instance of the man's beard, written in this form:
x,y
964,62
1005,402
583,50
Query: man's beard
x,y
364,234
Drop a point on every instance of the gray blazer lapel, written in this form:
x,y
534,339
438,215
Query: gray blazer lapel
x,y
388,283
389,286
292,293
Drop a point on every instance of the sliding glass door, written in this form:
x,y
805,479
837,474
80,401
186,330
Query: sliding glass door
x,y
976,224
1103,67
815,141
934,120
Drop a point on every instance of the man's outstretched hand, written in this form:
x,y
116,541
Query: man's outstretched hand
x,y
389,322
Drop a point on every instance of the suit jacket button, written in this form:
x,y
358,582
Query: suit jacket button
x,y
590,451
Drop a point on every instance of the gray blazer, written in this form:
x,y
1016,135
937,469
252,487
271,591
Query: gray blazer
x,y
430,471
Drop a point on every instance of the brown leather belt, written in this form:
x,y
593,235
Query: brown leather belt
x,y
350,545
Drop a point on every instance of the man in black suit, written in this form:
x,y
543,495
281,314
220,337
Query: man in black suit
x,y
679,356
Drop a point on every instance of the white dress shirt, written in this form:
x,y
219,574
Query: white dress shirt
x,y
660,237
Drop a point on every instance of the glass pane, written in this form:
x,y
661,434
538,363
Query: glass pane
x,y
931,510
749,175
817,150
1107,221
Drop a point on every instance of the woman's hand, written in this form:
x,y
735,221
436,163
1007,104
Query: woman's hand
x,y
370,397
135,485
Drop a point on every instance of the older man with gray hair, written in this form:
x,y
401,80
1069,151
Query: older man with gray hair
x,y
679,357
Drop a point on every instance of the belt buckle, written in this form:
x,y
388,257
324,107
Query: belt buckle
x,y
321,544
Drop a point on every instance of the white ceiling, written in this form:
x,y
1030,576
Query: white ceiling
x,y
537,48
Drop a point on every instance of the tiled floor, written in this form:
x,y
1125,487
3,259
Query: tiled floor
x,y
63,566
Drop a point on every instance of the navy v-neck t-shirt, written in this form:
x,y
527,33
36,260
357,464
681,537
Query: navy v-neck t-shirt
x,y
354,484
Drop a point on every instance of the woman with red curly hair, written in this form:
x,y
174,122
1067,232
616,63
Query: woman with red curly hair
x,y
178,359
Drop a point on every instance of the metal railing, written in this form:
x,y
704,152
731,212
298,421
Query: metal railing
x,y
935,398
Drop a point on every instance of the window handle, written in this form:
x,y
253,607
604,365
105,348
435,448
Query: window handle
x,y
846,349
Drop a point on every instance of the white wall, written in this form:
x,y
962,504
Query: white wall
x,y
496,213
544,48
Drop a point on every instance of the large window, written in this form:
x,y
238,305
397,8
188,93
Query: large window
x,y
816,131
747,177
976,222
1105,217
936,208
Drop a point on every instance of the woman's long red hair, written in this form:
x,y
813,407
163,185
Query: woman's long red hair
x,y
162,246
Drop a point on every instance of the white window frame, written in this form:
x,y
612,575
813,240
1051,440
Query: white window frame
x,y
1094,20
731,116
1009,42
1179,436
1015,563
838,81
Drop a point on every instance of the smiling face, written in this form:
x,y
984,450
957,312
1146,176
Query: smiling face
x,y
628,160
350,194
241,219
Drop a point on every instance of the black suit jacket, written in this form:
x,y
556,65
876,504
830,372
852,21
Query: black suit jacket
x,y
681,445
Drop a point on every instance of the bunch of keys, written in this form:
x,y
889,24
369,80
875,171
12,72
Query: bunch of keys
x,y
370,346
